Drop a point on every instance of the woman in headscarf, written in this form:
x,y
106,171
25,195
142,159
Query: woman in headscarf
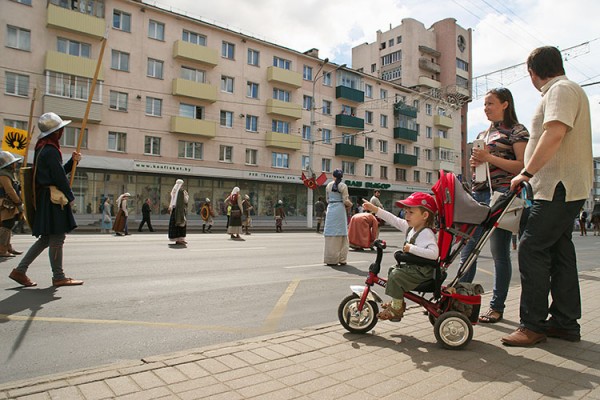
x,y
235,220
336,222
120,224
178,210
106,216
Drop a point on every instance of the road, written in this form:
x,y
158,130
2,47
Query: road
x,y
142,297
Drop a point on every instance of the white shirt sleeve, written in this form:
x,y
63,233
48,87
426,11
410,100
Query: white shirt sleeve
x,y
425,245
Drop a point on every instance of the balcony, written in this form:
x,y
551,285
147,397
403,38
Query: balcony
x,y
405,159
72,65
443,143
195,90
284,108
349,150
442,120
431,83
193,52
344,92
72,108
283,141
349,121
405,134
428,65
401,108
193,126
443,164
74,21
285,76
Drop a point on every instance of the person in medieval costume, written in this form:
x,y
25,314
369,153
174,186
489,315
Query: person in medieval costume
x,y
11,205
336,222
235,221
362,231
279,216
207,213
246,218
178,211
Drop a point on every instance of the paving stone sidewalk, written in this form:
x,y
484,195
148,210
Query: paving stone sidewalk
x,y
394,361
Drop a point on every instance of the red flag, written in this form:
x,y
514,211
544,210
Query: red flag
x,y
321,179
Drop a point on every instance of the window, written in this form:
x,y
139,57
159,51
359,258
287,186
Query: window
x,y
252,123
226,118
326,164
326,78
117,141
305,132
281,63
18,38
251,157
326,136
347,110
391,42
348,138
369,144
156,30
26,2
373,68
305,160
307,73
91,7
121,21
399,39
191,150
445,155
191,111
383,172
368,91
280,126
461,64
462,82
253,57
391,58
383,146
368,117
192,74
228,50
17,84
120,60
383,94
118,101
70,137
392,74
348,167
194,38
442,134
369,170
442,111
428,177
428,109
382,46
153,106
252,90
70,86
155,68
383,120
428,132
401,174
225,153
16,124
280,94
326,107
73,48
417,152
400,148
226,84
428,154
417,176
280,160
416,104
307,102
418,129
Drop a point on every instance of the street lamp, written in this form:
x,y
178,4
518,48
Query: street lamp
x,y
311,174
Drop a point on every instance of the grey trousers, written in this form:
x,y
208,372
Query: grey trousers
x,y
55,243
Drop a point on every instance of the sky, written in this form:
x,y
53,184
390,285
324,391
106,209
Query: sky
x,y
504,33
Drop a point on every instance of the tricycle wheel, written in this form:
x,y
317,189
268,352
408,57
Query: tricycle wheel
x,y
355,321
453,330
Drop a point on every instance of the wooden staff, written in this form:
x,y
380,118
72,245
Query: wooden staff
x,y
89,104
29,127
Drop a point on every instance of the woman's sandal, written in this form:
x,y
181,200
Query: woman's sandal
x,y
491,317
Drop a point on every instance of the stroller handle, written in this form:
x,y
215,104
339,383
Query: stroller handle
x,y
523,186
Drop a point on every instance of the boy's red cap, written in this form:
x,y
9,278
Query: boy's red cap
x,y
419,199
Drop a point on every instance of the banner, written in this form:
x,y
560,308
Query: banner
x,y
14,140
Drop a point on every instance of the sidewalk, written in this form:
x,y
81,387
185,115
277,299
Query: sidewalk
x,y
395,361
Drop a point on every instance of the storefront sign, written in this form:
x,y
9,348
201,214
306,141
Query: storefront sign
x,y
368,185
145,166
265,176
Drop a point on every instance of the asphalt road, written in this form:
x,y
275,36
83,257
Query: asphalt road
x,y
142,297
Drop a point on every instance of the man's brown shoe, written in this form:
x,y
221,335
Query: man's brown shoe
x,y
21,278
563,334
523,337
66,282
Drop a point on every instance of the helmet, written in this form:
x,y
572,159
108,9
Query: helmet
x,y
207,200
7,159
49,123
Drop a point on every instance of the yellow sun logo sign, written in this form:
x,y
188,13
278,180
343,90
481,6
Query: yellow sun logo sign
x,y
14,140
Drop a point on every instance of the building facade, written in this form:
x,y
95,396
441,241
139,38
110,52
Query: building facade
x,y
177,97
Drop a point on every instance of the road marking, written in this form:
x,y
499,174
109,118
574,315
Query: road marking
x,y
171,325
230,248
272,321
323,264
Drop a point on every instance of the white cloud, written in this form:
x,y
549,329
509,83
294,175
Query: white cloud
x,y
504,32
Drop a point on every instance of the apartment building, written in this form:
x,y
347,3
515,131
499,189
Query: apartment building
x,y
178,97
